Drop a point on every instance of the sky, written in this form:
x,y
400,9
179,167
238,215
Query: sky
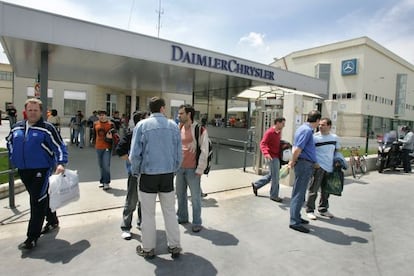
x,y
258,30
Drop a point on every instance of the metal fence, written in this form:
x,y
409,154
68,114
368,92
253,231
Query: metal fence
x,y
246,147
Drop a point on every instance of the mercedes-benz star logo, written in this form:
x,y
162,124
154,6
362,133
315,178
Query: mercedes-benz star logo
x,y
348,66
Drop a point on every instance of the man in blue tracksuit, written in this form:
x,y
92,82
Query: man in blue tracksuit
x,y
35,149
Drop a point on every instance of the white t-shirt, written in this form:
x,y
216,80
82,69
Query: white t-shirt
x,y
325,149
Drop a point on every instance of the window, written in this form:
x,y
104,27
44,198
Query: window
x,y
73,101
400,94
111,104
5,75
128,106
30,93
323,72
348,95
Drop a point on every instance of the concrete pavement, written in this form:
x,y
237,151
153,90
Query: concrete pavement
x,y
371,233
244,235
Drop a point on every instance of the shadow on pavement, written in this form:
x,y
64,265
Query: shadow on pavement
x,y
63,251
186,264
209,202
216,237
16,215
116,192
349,222
334,236
351,180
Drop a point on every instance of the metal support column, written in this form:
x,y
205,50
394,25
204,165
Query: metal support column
x,y
226,102
44,74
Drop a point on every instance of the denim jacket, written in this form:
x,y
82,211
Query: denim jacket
x,y
155,146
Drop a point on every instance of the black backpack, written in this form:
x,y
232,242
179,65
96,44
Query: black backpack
x,y
198,130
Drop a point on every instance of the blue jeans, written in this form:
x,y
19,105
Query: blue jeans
x,y
80,134
188,178
303,174
273,175
104,163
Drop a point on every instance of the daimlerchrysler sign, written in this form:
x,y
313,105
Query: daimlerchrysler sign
x,y
230,65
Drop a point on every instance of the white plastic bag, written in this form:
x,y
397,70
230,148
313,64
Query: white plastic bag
x,y
287,155
63,189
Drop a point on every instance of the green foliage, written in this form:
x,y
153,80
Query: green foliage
x,y
4,166
346,152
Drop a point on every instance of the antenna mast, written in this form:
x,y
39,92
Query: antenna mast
x,y
130,14
160,11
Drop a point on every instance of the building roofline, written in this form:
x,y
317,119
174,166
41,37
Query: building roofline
x,y
360,41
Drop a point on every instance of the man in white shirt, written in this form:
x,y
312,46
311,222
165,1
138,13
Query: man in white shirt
x,y
326,144
408,146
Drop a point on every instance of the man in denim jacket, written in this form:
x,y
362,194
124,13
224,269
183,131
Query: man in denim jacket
x,y
156,156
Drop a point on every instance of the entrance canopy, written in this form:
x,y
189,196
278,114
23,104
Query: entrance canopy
x,y
72,50
265,92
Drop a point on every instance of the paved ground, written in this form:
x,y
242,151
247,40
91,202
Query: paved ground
x,y
244,235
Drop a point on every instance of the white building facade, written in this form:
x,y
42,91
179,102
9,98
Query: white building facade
x,y
374,87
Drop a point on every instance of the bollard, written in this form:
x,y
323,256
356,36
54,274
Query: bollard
x,y
11,189
245,157
216,151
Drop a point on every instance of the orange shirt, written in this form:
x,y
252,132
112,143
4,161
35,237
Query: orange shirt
x,y
189,149
100,130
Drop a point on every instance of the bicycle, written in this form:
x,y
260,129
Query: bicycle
x,y
357,162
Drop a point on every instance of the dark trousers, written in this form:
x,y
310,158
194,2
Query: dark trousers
x,y
406,160
131,203
36,182
319,177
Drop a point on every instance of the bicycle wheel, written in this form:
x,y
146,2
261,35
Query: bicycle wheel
x,y
362,164
352,163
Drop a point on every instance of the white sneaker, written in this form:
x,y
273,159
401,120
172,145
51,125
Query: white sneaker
x,y
326,214
311,215
126,235
106,186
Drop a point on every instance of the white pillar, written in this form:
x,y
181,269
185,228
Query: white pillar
x,y
133,101
293,113
330,110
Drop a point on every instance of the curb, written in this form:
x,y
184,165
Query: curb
x,y
18,188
